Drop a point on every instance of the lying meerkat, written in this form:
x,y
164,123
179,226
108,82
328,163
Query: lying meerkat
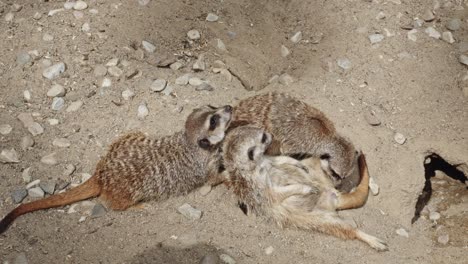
x,y
138,168
300,130
291,192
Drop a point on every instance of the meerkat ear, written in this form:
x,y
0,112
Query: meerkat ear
x,y
204,143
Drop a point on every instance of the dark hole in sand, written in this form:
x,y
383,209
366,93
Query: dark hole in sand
x,y
432,163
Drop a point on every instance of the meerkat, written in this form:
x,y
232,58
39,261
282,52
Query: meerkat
x,y
300,130
290,192
138,168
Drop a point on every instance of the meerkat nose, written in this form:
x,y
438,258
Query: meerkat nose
x,y
228,108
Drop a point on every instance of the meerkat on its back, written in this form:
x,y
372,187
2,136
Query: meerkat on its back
x,y
291,192
138,167
299,129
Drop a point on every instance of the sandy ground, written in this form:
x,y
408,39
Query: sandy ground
x,y
415,88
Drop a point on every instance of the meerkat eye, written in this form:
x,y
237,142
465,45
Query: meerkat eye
x,y
250,153
264,138
214,121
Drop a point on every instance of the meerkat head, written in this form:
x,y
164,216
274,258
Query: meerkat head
x,y
206,126
339,159
244,147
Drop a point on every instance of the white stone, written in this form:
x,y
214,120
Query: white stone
x,y
5,129
285,79
113,62
149,47
443,239
284,51
373,186
188,211
55,11
47,37
100,70
85,177
205,189
269,250
176,66
26,175
199,64
69,5
376,38
158,85
61,142
27,95
212,17
448,37
142,111
434,216
227,259
143,2
33,184
80,5
220,45
128,94
106,82
344,63
433,33
227,74
27,142
54,71
35,129
115,71
74,106
402,232
182,80
57,103
85,27
53,121
399,138
193,34
412,35
36,192
9,17
296,37
56,90
194,81
49,159
380,15
9,156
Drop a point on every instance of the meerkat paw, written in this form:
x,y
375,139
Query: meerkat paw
x,y
373,241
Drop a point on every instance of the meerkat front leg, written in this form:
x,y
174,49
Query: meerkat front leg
x,y
282,160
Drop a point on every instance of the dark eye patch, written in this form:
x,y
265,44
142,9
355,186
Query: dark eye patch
x,y
264,138
250,153
214,121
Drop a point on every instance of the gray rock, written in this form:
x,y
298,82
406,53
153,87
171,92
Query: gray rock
x,y
21,259
381,15
113,62
212,17
61,142
443,239
54,71
73,107
205,190
453,24
26,175
193,34
80,5
9,17
158,85
399,138
168,90
9,156
285,79
188,211
48,186
412,35
85,27
344,63
296,37
57,103
182,80
27,95
106,82
204,87
27,142
36,192
269,250
176,66
143,2
433,33
428,16
49,159
448,37
55,11
434,216
227,259
418,23
149,47
61,184
463,59
100,70
376,38
69,5
402,232
209,259
5,129
142,110
37,16
18,195
56,90
371,119
47,37
35,129
69,169
227,74
32,184
194,81
115,71
98,211
26,119
220,45
23,58
199,64
284,51
128,94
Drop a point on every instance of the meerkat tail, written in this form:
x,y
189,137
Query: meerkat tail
x,y
359,197
89,189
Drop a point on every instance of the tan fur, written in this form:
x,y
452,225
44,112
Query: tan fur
x,y
299,128
138,167
291,192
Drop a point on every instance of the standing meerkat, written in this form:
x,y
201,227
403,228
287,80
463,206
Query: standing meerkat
x,y
300,130
138,168
291,192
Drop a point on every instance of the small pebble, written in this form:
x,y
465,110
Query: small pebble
x,y
149,47
69,5
36,192
227,74
418,23
37,16
205,190
212,17
5,129
380,15
194,81
199,64
143,2
412,35
49,159
373,186
220,45
402,232
85,27
80,5
27,142
428,16
434,216
454,24
344,63
54,71
47,37
128,94
20,259
227,259
56,90
106,82
26,119
193,34
448,37
463,59
27,95
204,87
296,37
188,211
100,70
53,121
69,169
23,58
33,184
55,11
142,111
269,250
432,33
285,79
74,106
57,103
18,195
61,142
371,119
9,156
85,177
26,175
158,85
98,211
9,17
209,259
115,71
113,62
182,80
47,186
35,129
284,51
399,138
443,239
82,219
376,38
176,66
